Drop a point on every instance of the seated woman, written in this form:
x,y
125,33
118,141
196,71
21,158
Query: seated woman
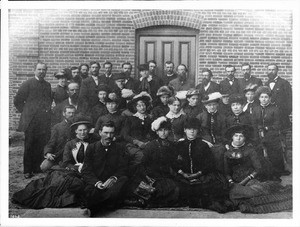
x,y
192,107
161,106
200,183
177,118
137,128
156,169
248,177
62,186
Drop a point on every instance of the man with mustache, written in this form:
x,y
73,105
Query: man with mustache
x,y
248,78
33,100
230,84
207,86
181,83
104,172
170,73
73,91
281,95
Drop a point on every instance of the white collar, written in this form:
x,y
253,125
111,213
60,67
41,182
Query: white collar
x,y
169,75
234,146
140,116
171,115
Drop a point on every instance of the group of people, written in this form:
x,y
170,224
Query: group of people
x,y
155,140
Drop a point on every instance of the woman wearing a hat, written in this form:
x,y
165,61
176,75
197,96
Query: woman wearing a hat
x,y
156,169
60,92
161,107
74,151
99,109
251,99
137,128
192,107
245,171
267,127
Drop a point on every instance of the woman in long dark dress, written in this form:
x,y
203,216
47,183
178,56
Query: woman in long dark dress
x,y
63,186
137,128
156,169
249,178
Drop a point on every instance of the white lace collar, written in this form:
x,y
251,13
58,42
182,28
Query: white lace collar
x,y
140,116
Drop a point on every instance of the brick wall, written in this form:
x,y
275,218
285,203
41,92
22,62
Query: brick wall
x,y
63,38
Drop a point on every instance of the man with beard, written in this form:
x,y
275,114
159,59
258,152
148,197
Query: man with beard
x,y
281,95
230,84
107,77
75,75
88,95
131,82
104,172
33,100
73,91
170,74
248,78
181,83
207,86
60,134
84,70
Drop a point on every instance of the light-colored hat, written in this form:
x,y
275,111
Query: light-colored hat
x,y
161,122
192,92
181,94
250,87
212,97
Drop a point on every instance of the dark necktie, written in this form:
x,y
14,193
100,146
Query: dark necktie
x,y
80,154
263,115
212,128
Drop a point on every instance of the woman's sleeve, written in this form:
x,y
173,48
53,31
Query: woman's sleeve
x,y
68,160
126,130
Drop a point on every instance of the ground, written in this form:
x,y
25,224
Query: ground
x,y
17,182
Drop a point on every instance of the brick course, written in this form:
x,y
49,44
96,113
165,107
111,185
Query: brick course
x,y
63,38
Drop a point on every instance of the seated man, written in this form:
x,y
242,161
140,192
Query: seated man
x,y
60,134
104,171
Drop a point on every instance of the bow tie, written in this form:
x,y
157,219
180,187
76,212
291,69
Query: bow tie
x,y
272,81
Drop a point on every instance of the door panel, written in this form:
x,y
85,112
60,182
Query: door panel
x,y
178,49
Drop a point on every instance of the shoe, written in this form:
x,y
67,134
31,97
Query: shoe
x,y
134,202
28,175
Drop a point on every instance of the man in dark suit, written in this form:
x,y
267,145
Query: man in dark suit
x,y
107,76
170,73
182,82
104,171
207,86
33,100
60,134
152,72
84,71
281,95
248,78
131,82
88,95
230,84
73,91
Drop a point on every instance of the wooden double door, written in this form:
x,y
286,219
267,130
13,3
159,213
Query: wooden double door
x,y
168,44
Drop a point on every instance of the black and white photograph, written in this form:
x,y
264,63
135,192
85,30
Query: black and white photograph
x,y
128,114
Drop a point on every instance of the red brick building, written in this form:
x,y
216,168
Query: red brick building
x,y
198,38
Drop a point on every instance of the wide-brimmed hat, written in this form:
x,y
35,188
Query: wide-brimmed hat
x,y
247,131
119,76
250,87
61,74
164,90
236,98
161,122
144,96
212,97
80,119
263,89
192,92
